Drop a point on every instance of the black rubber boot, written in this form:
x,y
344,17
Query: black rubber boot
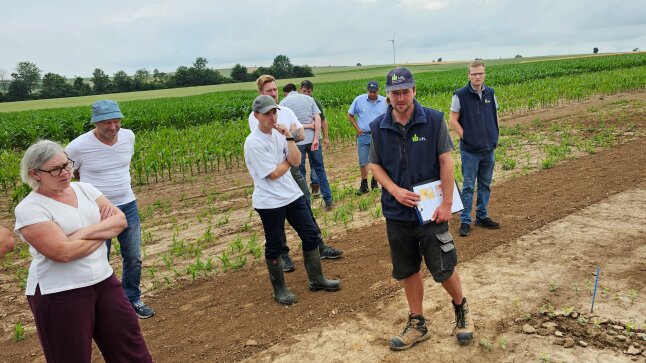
x,y
315,273
277,278
363,189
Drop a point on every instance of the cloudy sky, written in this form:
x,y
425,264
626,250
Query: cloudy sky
x,y
72,37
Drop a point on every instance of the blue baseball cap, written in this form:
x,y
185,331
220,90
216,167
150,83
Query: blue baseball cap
x,y
105,110
399,78
373,86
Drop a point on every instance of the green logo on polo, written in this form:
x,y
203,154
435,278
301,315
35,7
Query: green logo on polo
x,y
416,138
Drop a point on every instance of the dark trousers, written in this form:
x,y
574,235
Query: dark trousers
x,y
299,217
67,321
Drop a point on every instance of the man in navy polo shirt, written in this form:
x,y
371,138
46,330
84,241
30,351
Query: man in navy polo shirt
x,y
474,119
411,144
363,110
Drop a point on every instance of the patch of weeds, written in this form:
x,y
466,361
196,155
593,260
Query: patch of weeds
x,y
549,162
547,309
633,295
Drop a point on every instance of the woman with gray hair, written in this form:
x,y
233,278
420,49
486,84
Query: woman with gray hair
x,y
71,288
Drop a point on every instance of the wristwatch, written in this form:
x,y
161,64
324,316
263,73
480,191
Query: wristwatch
x,y
289,138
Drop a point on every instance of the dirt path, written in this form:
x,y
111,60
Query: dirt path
x,y
551,265
231,317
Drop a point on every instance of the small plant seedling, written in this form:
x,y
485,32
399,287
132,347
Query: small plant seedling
x,y
582,320
18,332
484,342
544,357
553,286
633,295
502,342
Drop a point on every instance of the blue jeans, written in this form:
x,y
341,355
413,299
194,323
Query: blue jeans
x,y
478,166
299,217
130,242
316,165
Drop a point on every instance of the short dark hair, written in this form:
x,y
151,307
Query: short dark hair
x,y
307,84
289,87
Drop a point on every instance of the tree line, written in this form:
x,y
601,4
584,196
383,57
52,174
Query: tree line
x,y
26,82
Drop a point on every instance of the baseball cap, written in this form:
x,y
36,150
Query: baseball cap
x,y
264,103
399,78
105,110
373,86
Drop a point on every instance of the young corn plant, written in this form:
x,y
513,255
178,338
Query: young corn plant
x,y
18,332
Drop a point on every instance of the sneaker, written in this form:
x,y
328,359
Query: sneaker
x,y
329,206
463,322
363,189
465,229
414,332
288,264
373,184
315,190
329,252
143,311
487,223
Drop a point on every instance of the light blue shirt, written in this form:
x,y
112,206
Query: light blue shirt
x,y
365,110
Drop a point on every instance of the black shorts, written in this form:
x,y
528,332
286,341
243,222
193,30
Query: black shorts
x,y
409,241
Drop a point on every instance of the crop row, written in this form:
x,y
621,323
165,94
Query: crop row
x,y
20,129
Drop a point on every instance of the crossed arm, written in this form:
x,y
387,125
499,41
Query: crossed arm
x,y
48,239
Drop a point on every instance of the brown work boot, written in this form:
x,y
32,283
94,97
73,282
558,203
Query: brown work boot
x,y
463,322
414,332
315,190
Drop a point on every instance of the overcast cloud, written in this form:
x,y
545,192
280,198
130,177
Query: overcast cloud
x,y
74,37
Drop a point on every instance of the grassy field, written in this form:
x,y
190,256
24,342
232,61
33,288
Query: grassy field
x,y
323,75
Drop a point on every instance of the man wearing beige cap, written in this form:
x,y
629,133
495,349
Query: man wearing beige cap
x,y
102,158
270,151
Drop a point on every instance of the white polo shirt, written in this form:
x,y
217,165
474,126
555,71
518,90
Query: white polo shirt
x,y
262,154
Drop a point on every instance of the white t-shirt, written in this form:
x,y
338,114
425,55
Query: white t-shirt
x,y
285,117
54,276
262,154
107,167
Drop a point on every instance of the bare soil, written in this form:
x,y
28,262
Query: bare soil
x,y
558,225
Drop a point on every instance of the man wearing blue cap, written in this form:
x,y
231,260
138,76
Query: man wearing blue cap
x,y
363,110
102,158
410,145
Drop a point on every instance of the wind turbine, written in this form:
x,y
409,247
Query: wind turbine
x,y
393,41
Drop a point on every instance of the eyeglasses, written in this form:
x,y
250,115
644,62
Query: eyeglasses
x,y
68,166
477,74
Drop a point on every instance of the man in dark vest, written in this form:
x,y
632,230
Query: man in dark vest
x,y
474,119
411,144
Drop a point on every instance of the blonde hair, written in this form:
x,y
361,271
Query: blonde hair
x,y
35,156
262,80
475,63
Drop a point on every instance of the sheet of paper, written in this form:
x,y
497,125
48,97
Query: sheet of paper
x,y
431,197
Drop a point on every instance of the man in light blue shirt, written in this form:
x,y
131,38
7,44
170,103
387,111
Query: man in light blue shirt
x,y
363,110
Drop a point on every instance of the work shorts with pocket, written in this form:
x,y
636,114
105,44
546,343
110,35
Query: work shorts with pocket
x,y
410,241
